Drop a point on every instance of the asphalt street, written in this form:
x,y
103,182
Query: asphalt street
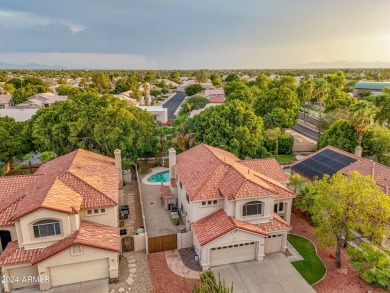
x,y
174,103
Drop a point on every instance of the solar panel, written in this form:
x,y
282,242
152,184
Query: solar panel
x,y
326,162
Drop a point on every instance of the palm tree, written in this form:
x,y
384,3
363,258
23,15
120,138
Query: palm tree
x,y
361,117
321,91
305,93
305,199
162,132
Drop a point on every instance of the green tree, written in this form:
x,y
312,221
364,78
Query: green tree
x,y
238,90
46,156
262,81
202,75
305,199
175,77
376,142
330,117
101,82
362,117
64,90
336,80
344,204
338,99
162,133
305,94
193,89
100,123
282,102
217,82
193,103
383,114
340,135
182,139
232,77
12,142
231,126
15,82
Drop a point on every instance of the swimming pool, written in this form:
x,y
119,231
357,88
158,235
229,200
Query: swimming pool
x,y
159,177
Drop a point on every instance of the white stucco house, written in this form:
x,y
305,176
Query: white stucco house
x,y
60,225
237,210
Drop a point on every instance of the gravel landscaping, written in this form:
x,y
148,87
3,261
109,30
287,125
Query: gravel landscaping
x,y
187,256
344,280
163,279
133,274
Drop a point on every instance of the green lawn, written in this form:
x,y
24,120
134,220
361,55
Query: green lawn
x,y
285,158
311,268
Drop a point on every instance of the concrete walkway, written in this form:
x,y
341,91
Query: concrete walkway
x,y
176,265
295,255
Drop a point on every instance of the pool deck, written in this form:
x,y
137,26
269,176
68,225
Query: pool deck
x,y
154,171
158,220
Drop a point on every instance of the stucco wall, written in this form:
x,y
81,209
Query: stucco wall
x,y
110,218
65,257
199,211
267,213
236,236
27,233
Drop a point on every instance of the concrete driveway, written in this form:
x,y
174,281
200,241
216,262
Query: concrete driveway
x,y
98,286
274,274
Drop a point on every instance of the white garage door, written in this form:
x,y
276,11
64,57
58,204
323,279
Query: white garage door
x,y
79,272
273,243
23,277
232,253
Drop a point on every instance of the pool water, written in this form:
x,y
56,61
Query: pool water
x,y
159,177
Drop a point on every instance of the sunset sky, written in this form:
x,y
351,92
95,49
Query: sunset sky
x,y
183,34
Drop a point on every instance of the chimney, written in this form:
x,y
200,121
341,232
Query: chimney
x,y
358,151
118,161
172,161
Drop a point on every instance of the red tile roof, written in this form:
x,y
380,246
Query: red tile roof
x,y
78,180
268,167
219,223
166,192
364,166
208,172
216,100
89,234
276,224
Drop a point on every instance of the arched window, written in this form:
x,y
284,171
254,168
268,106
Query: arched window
x,y
252,208
46,228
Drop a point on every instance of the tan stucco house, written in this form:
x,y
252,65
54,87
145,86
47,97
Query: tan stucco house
x,y
59,225
237,210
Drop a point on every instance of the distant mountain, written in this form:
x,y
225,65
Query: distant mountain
x,y
29,66
341,64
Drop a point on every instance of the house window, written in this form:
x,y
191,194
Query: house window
x,y
2,106
252,208
182,208
209,203
95,212
77,250
188,198
46,228
278,207
181,185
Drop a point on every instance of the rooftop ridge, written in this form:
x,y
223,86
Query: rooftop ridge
x,y
86,183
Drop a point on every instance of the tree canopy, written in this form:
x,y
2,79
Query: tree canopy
x,y
193,103
193,89
100,123
279,101
238,90
12,142
340,135
376,142
345,204
232,126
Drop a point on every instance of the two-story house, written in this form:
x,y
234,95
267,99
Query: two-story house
x,y
59,225
238,210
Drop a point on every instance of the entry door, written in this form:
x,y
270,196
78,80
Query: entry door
x,y
5,237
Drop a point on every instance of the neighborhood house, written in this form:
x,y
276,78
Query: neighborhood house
x,y
59,225
237,210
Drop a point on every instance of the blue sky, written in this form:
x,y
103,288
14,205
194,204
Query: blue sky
x,y
170,34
